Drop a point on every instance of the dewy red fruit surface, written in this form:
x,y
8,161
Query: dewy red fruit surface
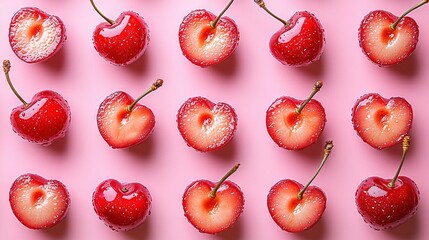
x,y
213,207
382,122
295,124
45,119
301,42
384,45
38,203
35,35
206,126
121,206
203,44
123,41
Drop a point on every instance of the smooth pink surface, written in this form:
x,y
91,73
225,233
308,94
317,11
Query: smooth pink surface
x,y
249,81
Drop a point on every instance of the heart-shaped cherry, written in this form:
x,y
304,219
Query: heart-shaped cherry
x,y
213,207
121,206
300,41
206,39
388,203
382,122
386,39
123,122
123,41
36,36
296,208
295,124
206,126
43,120
38,203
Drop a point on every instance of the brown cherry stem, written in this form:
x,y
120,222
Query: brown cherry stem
x,y
316,88
124,190
101,14
261,4
213,192
327,151
6,69
405,146
157,84
213,23
393,26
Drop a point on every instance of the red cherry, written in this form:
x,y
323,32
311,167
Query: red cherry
x,y
206,39
36,36
121,207
45,119
123,122
38,203
123,41
213,207
386,39
294,207
300,41
294,124
388,203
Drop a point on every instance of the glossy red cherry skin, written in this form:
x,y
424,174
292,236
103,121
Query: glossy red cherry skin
x,y
383,207
301,42
123,42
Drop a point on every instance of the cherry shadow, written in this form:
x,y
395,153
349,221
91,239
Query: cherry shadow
x,y
315,69
141,65
408,69
318,231
59,146
228,152
145,149
141,232
408,230
60,230
227,68
314,152
234,233
57,62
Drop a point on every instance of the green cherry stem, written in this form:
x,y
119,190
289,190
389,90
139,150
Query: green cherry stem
x,y
327,151
213,192
316,88
261,4
405,146
393,26
213,23
6,69
101,14
157,84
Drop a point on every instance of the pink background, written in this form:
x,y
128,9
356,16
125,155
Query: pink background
x,y
250,81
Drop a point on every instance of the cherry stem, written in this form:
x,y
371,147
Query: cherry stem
x,y
101,14
405,146
213,192
316,88
327,151
124,190
393,26
261,4
6,69
157,84
213,23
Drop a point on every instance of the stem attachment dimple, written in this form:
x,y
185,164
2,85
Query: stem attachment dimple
x,y
261,4
316,88
213,23
405,146
6,69
393,25
213,192
101,14
328,147
157,84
